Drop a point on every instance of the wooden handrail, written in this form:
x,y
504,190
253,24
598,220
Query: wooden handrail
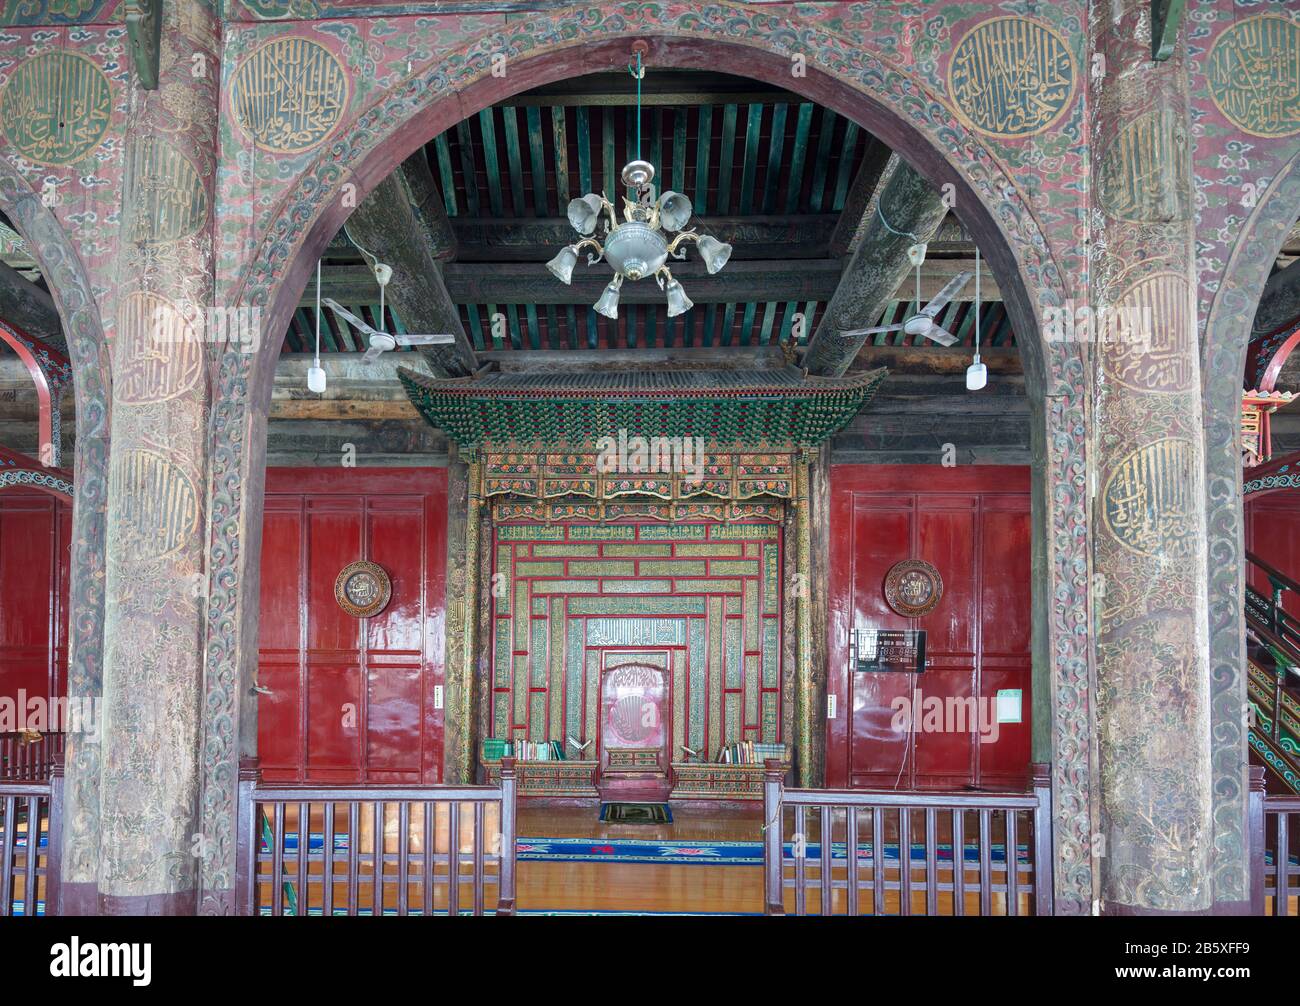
x,y
1274,574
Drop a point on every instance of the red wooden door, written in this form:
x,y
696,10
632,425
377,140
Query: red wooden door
x,y
973,525
1273,535
351,699
35,540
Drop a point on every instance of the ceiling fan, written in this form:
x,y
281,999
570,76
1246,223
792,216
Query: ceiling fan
x,y
382,342
922,324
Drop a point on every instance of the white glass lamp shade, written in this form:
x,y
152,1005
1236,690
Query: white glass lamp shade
x,y
678,302
561,266
977,375
608,303
715,253
674,211
584,212
316,378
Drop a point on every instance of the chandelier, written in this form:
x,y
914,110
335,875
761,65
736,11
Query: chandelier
x,y
640,246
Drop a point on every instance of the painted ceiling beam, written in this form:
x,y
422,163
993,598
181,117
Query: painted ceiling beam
x,y
853,218
914,211
403,224
537,239
740,282
144,28
26,306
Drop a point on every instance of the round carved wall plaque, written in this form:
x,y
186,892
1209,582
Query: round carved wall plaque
x,y
362,589
913,587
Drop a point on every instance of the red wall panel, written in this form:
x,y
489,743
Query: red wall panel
x,y
347,699
1273,535
973,525
35,540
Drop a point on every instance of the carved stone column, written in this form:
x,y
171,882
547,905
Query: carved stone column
x,y
156,541
1149,504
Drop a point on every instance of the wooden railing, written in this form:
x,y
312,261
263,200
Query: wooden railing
x,y
1275,849
430,850
31,816
1267,617
28,757
854,852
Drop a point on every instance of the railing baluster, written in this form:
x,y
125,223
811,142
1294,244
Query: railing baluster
x,y
304,851
931,863
7,844
986,867
277,860
403,850
800,854
959,862
354,857
453,859
1013,866
377,863
904,861
827,829
327,864
479,809
1282,862
427,866
851,825
877,861
33,851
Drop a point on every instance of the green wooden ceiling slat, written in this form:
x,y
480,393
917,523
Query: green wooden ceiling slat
x,y
657,148
534,330
593,332
710,322
516,333
560,134
679,149
651,325
753,136
331,335
631,314
537,159
498,339
769,319
809,316
724,161
787,320
571,315
552,327
584,151
609,179
847,161
1003,325
476,327
630,147
965,330
798,156
491,162
705,134
443,149
747,324
399,327
901,338
775,155
817,189
464,140
510,118
691,321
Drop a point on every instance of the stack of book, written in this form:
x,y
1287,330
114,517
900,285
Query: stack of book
x,y
494,749
750,753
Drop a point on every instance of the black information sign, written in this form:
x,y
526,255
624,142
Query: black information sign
x,y
876,650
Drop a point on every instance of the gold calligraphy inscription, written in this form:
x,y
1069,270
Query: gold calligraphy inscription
x,y
1149,333
167,198
1151,498
1253,73
1011,76
56,108
157,505
161,353
289,94
1140,168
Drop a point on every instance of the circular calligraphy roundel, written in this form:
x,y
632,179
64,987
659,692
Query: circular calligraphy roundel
x,y
913,587
1011,76
362,589
55,109
1252,71
289,94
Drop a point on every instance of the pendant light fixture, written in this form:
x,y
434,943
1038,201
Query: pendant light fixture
x,y
977,374
316,373
639,246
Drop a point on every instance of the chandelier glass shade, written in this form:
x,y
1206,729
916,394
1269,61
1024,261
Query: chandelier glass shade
x,y
652,232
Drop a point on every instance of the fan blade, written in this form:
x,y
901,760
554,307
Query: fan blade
x,y
373,354
940,335
425,340
946,294
879,329
349,317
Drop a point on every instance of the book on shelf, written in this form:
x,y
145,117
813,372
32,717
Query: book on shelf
x,y
494,749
